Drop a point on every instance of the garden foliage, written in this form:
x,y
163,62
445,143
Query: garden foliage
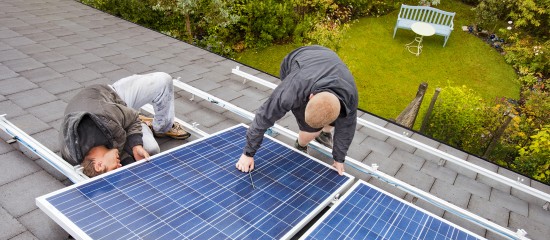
x,y
525,144
461,119
230,26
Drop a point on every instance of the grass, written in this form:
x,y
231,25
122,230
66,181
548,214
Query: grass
x,y
388,76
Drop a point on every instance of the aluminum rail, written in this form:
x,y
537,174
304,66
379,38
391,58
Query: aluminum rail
x,y
364,168
253,78
43,152
446,156
73,173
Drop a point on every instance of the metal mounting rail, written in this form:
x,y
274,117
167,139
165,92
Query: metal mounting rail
x,y
362,167
73,173
43,152
446,156
253,78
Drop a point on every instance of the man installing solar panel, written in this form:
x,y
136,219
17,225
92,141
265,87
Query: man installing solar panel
x,y
320,91
102,120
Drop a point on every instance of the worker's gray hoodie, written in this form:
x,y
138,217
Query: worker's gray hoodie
x,y
119,125
309,70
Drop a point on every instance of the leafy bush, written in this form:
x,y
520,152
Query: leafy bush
x,y
136,11
362,8
489,13
534,158
462,119
327,34
529,56
330,26
532,16
471,2
264,22
532,119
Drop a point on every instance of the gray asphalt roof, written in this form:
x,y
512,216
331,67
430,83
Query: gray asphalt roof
x,y
50,49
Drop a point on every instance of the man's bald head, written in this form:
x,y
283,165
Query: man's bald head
x,y
322,109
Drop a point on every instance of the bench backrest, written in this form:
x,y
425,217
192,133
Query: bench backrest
x,y
426,14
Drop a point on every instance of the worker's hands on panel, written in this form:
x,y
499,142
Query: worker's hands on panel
x,y
339,167
245,163
140,153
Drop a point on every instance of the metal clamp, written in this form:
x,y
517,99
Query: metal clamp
x,y
374,166
521,233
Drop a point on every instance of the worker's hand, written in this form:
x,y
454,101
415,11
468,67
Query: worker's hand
x,y
140,153
339,167
245,163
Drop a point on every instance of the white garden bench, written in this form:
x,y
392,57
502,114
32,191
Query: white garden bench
x,y
440,20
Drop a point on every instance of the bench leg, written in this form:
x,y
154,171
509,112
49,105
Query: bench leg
x,y
394,30
445,42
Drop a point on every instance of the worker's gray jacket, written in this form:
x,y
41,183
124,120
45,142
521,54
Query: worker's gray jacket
x,y
309,70
119,123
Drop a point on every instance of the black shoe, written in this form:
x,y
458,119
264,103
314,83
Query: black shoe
x,y
325,138
300,148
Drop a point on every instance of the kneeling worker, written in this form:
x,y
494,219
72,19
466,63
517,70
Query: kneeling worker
x,y
102,120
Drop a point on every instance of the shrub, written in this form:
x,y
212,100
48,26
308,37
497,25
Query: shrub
x,y
489,12
362,8
136,11
265,22
471,2
534,157
532,16
532,117
462,119
529,56
327,34
330,26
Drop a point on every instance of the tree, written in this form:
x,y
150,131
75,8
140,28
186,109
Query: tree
x,y
185,7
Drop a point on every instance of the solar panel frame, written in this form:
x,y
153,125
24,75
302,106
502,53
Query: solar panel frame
x,y
78,233
321,221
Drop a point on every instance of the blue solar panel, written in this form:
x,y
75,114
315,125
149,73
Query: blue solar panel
x,y
367,212
195,192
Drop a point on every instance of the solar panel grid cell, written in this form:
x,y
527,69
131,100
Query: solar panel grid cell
x,y
369,213
196,192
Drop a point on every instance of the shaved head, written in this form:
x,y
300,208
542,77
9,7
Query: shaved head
x,y
322,109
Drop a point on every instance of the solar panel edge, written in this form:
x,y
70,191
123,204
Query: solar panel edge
x,y
327,213
60,219
318,209
362,182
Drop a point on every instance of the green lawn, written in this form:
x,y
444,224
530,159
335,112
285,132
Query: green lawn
x,y
388,76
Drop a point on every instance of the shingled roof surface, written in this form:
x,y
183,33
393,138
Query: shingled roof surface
x,y
50,49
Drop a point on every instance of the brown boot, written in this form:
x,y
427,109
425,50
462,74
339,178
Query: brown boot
x,y
147,120
176,132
